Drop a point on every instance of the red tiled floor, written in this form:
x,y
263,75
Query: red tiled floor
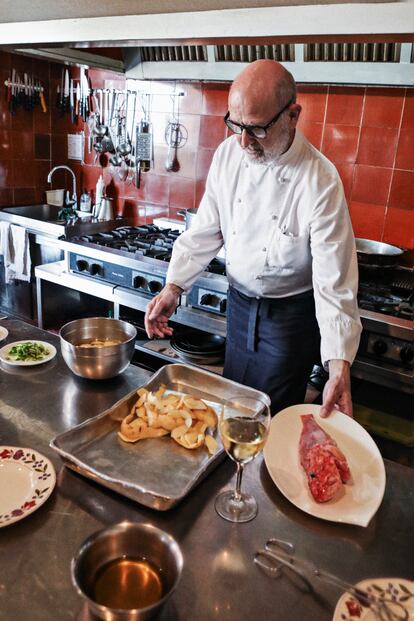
x,y
383,107
367,220
181,193
377,146
344,105
405,150
212,131
313,101
402,190
371,184
399,228
215,98
340,143
346,172
408,112
312,131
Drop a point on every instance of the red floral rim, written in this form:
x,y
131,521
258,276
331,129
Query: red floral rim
x,y
37,463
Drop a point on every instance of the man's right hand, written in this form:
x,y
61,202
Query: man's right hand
x,y
160,309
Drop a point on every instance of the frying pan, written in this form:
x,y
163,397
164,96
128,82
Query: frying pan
x,y
375,254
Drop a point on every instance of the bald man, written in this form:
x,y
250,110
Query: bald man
x,y
278,207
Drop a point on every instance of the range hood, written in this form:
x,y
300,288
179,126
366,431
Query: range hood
x,y
353,43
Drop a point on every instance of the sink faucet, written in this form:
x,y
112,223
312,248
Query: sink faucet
x,y
49,180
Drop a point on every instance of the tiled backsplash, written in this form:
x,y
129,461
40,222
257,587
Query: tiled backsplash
x,y
368,133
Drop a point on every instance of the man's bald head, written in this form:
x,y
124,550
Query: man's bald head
x,y
264,95
263,84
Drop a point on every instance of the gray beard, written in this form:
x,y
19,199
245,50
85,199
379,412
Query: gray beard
x,y
260,156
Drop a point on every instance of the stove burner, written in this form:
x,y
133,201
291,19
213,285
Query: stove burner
x,y
390,296
148,240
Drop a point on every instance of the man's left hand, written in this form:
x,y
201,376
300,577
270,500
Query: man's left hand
x,y
337,391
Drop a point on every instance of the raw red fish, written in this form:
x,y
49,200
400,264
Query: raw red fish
x,y
324,463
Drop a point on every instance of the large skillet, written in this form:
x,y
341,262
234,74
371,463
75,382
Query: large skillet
x,y
377,254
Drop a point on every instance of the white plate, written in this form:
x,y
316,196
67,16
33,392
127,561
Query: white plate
x,y
360,498
399,588
3,333
27,479
27,363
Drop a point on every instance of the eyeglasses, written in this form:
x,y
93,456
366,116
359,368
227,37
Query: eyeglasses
x,y
256,131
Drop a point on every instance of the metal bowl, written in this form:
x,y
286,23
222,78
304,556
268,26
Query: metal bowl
x,y
97,362
133,540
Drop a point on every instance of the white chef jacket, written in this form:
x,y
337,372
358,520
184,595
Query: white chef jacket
x,y
286,229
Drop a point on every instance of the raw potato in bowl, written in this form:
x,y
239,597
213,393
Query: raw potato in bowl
x,y
184,417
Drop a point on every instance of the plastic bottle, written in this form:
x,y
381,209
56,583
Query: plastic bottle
x,y
99,193
85,201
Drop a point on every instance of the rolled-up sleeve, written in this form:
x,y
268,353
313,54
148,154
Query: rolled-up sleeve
x,y
335,275
196,247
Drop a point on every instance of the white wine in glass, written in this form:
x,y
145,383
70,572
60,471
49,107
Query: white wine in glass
x,y
244,424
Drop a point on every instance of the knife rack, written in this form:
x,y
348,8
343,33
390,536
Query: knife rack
x,y
26,92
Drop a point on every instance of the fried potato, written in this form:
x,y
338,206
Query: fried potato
x,y
184,417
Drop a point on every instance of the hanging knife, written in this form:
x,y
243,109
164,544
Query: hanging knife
x,y
72,103
42,97
66,91
86,97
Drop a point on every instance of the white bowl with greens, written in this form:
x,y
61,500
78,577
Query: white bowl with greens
x,y
27,353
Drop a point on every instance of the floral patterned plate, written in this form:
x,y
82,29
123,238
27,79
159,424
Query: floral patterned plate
x,y
27,479
398,589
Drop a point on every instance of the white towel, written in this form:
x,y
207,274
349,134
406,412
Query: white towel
x,y
14,246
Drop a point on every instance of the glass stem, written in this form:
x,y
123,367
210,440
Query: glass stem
x,y
237,491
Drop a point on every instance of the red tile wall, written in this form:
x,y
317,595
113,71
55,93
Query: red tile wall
x,y
367,132
25,138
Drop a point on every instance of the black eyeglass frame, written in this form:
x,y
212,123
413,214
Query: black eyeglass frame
x,y
250,129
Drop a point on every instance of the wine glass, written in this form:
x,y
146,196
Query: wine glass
x,y
244,424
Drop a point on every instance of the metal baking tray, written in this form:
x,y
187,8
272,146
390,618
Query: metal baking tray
x,y
156,472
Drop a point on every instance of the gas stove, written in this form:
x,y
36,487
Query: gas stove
x,y
390,293
137,257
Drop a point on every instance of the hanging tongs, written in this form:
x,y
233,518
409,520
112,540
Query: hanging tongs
x,y
278,556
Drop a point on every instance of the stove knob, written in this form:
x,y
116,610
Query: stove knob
x,y
82,265
94,268
380,347
154,286
223,305
208,299
139,282
205,299
407,353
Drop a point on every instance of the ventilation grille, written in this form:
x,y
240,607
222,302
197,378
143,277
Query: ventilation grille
x,y
191,53
353,52
249,53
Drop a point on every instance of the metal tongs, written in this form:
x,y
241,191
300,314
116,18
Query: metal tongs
x,y
278,554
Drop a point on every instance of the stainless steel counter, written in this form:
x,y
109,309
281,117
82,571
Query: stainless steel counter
x,y
219,579
43,219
